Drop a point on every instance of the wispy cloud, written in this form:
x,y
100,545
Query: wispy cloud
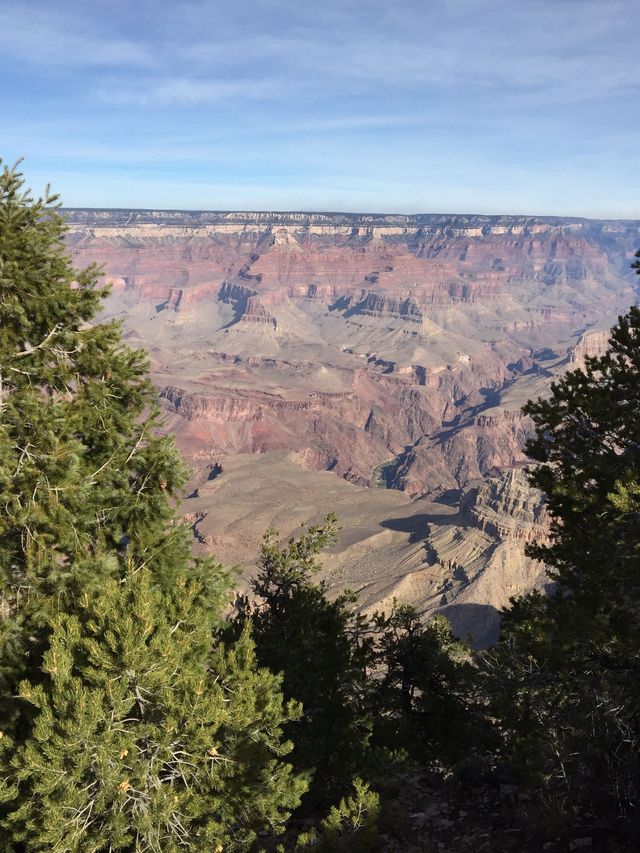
x,y
447,99
572,48
571,51
184,91
52,37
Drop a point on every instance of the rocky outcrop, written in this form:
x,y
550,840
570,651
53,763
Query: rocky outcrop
x,y
255,312
480,553
593,343
229,404
376,305
508,507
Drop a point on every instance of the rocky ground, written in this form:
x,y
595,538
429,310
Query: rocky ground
x,y
432,815
426,811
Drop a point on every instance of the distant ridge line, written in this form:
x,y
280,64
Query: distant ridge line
x,y
193,218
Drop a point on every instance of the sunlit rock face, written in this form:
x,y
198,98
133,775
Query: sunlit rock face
x,y
481,552
508,507
391,351
589,344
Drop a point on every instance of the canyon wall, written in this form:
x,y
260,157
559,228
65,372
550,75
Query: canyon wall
x,y
392,351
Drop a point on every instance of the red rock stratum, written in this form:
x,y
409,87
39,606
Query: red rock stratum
x,y
388,350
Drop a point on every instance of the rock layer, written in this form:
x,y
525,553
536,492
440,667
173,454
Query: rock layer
x,y
389,350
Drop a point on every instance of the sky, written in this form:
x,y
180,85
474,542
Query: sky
x,y
443,106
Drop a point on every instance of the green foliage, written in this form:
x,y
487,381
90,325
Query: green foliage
x,y
566,671
125,722
143,738
319,648
81,464
349,826
587,445
423,698
71,385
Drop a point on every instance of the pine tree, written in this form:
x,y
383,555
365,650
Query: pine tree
x,y
351,826
143,738
378,694
319,647
425,684
81,466
567,668
126,723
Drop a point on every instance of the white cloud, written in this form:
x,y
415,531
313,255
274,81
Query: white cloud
x,y
184,91
572,48
53,37
569,51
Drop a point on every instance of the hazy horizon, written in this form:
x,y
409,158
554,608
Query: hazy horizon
x,y
376,213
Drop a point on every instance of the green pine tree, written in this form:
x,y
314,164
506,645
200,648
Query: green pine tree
x,y
143,738
424,699
126,724
350,827
321,650
566,672
81,465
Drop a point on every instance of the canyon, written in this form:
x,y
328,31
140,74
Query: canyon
x,y
371,365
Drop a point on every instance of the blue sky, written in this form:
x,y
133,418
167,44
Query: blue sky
x,y
489,106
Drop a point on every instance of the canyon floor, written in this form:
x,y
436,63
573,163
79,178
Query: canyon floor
x,y
371,366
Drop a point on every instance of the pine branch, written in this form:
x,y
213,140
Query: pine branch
x,y
31,349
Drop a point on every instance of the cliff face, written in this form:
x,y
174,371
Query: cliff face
x,y
437,325
589,344
430,260
507,507
481,553
376,305
392,351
